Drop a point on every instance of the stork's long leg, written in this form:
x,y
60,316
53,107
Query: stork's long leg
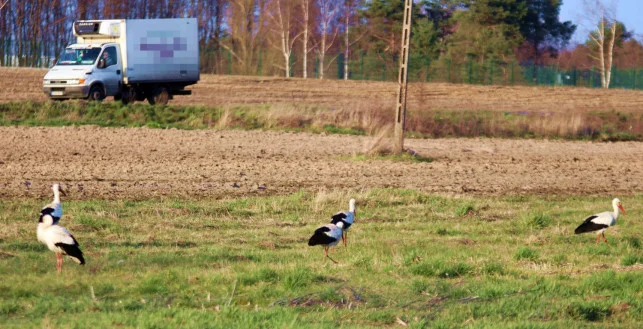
x,y
598,237
344,238
59,262
604,238
326,255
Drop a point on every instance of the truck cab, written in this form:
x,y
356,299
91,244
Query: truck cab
x,y
92,71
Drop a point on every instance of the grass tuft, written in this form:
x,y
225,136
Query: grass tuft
x,y
464,210
633,242
589,311
442,269
630,259
526,253
538,221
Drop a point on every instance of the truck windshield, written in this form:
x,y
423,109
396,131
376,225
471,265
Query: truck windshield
x,y
71,56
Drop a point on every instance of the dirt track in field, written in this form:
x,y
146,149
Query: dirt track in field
x,y
141,163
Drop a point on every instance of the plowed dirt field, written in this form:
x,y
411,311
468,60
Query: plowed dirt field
x,y
140,163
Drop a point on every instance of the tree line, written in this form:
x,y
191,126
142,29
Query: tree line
x,y
330,38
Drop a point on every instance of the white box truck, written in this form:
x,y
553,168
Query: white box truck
x,y
130,59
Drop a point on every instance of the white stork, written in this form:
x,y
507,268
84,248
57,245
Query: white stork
x,y
327,236
345,217
600,222
57,238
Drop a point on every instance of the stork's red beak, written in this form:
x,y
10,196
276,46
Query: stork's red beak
x,y
621,207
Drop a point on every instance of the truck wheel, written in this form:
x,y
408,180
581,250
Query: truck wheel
x,y
96,93
160,96
128,96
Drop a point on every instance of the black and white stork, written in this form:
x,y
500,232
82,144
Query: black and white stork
x,y
56,237
327,236
600,222
345,217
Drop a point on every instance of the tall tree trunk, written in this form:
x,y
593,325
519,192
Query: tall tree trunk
x,y
601,50
283,23
610,53
322,51
328,10
346,45
305,7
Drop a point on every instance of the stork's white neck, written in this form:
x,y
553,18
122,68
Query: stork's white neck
x,y
56,196
351,205
616,210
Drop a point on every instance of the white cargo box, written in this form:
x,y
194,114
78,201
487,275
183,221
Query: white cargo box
x,y
153,50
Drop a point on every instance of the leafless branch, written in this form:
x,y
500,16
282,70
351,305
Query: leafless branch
x,y
234,54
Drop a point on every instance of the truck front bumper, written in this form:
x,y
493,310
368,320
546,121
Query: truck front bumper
x,y
63,91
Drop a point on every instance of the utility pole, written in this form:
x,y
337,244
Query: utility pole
x,y
400,109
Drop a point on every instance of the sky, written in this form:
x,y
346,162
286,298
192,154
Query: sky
x,y
630,12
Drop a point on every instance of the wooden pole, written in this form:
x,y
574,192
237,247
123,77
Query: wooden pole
x,y
400,109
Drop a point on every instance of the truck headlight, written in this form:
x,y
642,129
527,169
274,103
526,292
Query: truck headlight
x,y
76,82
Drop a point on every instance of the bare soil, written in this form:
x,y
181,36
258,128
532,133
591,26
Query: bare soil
x,y
141,163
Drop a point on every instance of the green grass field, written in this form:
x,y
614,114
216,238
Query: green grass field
x,y
422,260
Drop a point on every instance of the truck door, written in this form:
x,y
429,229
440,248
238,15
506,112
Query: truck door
x,y
109,68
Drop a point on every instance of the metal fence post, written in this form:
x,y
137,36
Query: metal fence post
x,y
491,72
635,76
534,74
316,67
260,64
470,71
511,78
229,62
361,69
383,71
340,65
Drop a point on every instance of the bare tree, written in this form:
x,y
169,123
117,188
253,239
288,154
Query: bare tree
x,y
246,33
350,12
209,15
328,29
305,7
603,37
5,32
347,17
282,19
